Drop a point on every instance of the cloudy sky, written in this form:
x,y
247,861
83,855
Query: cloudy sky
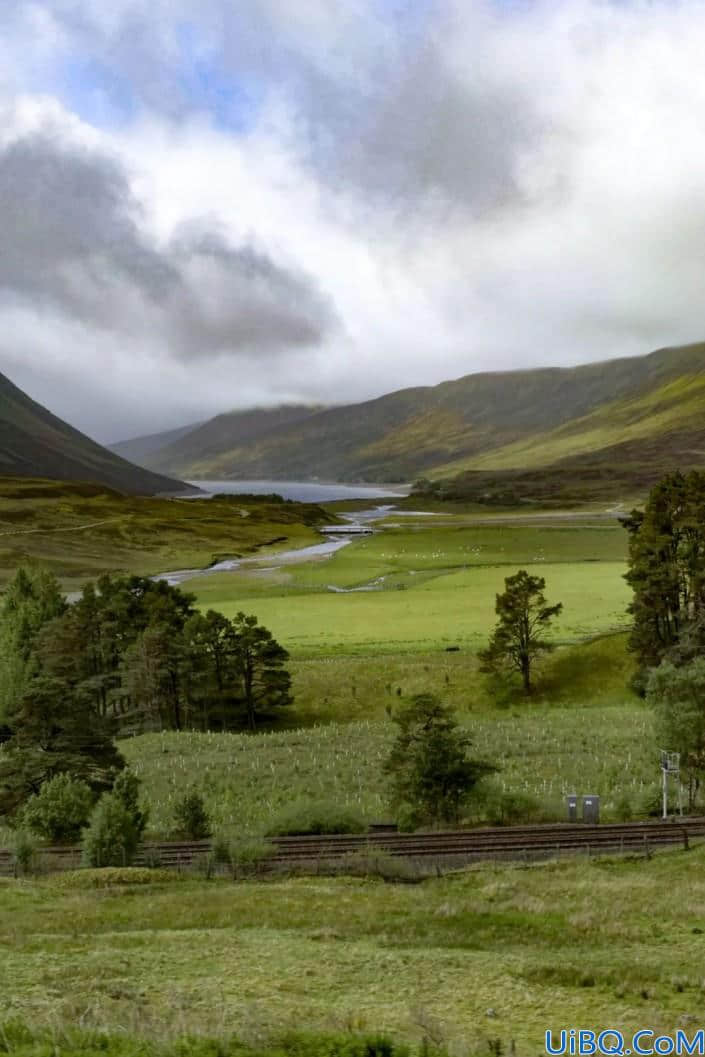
x,y
207,204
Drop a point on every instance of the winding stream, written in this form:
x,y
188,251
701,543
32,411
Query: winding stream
x,y
359,519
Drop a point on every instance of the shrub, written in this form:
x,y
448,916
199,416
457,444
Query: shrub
x,y
246,856
496,806
24,852
112,837
116,826
60,810
315,817
191,818
375,862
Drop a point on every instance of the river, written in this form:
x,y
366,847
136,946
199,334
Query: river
x,y
360,518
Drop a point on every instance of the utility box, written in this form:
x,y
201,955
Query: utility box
x,y
571,804
591,809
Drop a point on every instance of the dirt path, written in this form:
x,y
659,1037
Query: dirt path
x,y
73,528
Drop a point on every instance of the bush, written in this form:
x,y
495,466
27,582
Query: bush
x,y
191,818
112,837
247,856
305,817
24,851
503,808
116,825
375,862
60,810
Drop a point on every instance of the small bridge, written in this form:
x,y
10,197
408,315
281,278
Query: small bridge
x,y
346,530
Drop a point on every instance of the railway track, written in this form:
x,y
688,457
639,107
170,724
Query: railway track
x,y
450,846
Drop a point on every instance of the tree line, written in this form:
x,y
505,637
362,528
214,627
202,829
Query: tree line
x,y
667,575
130,655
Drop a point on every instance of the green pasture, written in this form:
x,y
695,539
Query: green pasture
x,y
494,953
452,609
430,583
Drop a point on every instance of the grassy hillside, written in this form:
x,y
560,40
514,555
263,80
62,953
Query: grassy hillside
x,y
143,447
80,531
202,448
35,443
489,423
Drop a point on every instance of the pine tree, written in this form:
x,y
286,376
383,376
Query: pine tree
x,y
55,733
524,618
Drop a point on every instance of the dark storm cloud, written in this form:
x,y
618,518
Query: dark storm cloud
x,y
239,297
69,231
72,241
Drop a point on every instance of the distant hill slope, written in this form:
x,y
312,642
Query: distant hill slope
x,y
204,450
35,443
142,448
490,422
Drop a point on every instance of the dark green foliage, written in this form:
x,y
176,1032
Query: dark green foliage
x,y
55,732
141,654
31,600
24,852
60,810
130,655
191,818
667,571
678,697
306,816
429,767
116,826
524,618
258,660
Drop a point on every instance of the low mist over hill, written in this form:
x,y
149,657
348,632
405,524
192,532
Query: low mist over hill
x,y
35,443
638,415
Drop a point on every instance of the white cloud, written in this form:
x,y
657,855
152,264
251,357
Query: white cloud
x,y
507,185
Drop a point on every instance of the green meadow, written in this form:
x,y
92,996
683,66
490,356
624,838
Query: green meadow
x,y
424,583
492,953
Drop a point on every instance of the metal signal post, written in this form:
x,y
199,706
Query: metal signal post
x,y
671,765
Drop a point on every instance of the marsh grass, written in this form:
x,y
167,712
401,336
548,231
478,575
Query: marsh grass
x,y
81,531
574,941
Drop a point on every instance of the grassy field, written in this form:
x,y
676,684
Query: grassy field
x,y
433,583
492,953
584,732
80,531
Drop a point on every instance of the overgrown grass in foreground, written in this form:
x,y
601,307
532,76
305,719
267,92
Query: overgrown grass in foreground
x,y
498,952
19,1040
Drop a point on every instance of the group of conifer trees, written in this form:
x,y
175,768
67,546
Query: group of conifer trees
x,y
130,655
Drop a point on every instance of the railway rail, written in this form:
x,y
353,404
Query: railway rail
x,y
446,847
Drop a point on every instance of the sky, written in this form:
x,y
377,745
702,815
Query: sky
x,y
208,205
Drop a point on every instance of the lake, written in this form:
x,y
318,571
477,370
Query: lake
x,y
303,491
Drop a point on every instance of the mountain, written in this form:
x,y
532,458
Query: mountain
x,y
35,443
207,447
141,448
640,413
